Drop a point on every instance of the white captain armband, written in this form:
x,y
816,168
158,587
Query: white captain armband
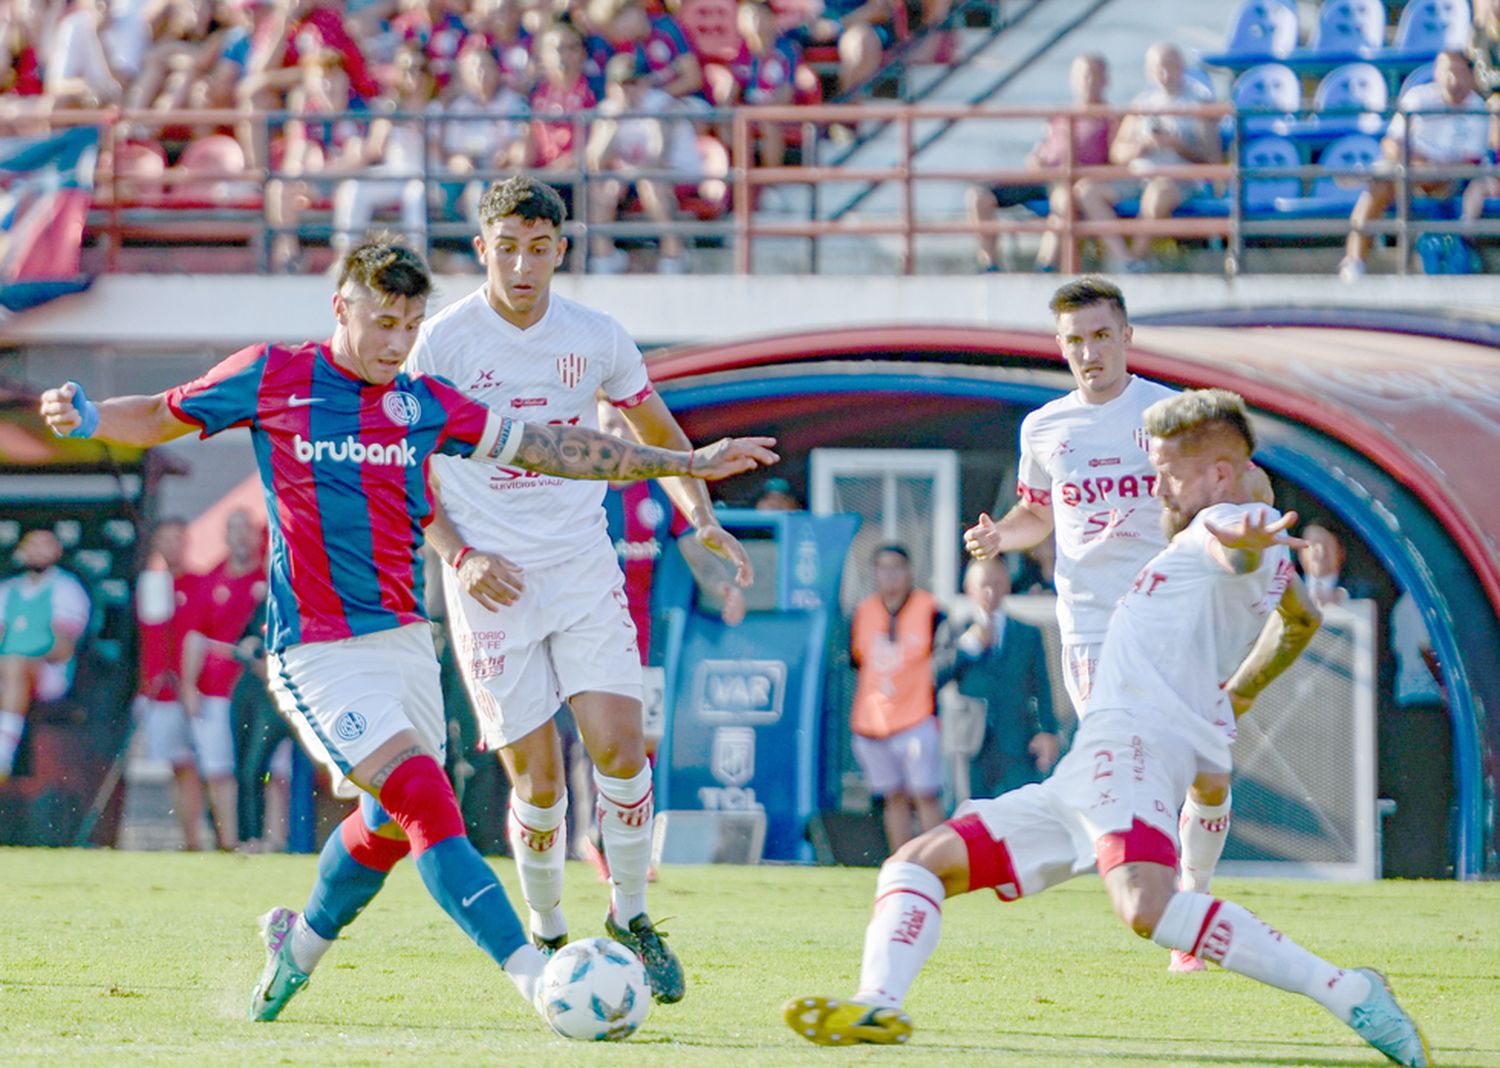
x,y
500,441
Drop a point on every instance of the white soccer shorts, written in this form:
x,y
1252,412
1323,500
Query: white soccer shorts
x,y
1118,771
163,724
569,632
345,699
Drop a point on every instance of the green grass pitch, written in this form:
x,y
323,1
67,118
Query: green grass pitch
x,y
111,958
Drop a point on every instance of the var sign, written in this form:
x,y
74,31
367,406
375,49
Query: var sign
x,y
745,692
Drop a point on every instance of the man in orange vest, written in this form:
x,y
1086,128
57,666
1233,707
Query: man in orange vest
x,y
894,716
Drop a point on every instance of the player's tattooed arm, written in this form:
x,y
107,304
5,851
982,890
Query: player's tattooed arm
x,y
577,452
1286,633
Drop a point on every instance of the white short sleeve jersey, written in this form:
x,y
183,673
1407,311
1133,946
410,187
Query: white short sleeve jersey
x,y
549,373
1183,627
1089,461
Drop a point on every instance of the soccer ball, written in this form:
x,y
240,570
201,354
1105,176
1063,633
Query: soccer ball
x,y
594,990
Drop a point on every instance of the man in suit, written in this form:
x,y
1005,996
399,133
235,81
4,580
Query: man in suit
x,y
1001,661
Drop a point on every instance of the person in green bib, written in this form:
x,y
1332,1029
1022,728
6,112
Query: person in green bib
x,y
44,611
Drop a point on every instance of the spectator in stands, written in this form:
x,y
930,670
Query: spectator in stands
x,y
437,30
562,90
472,138
498,25
22,27
389,161
292,27
1001,662
776,496
163,592
1460,135
763,74
223,602
175,55
1091,140
1484,48
860,29
1152,136
626,147
657,41
77,70
44,613
1322,559
894,713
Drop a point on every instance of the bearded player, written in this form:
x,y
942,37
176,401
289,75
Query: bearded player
x,y
1224,581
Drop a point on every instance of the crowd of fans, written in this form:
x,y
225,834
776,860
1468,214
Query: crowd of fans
x,y
380,94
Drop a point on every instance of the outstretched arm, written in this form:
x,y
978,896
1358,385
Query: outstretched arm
x,y
577,452
135,420
1281,641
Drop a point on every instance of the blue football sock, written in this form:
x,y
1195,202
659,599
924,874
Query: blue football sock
x,y
465,886
344,888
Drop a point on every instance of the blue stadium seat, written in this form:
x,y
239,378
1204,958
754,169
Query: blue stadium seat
x,y
1266,98
1351,99
1427,27
1352,27
1420,76
1260,195
1333,194
1259,31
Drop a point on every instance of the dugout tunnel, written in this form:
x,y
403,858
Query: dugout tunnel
x,y
1389,428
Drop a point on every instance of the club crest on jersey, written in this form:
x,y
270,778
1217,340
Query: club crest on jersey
x,y
401,408
570,369
349,726
650,512
1142,438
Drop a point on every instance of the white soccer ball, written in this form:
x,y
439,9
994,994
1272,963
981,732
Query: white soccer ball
x,y
594,990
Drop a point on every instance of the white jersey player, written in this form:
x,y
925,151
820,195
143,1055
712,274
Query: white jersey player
x,y
537,605
1150,728
1085,477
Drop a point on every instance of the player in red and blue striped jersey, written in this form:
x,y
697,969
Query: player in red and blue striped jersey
x,y
342,439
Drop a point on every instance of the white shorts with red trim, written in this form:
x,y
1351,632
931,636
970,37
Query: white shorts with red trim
x,y
569,632
1118,775
345,699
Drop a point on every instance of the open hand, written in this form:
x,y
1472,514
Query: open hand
x,y
726,546
490,579
732,456
1254,531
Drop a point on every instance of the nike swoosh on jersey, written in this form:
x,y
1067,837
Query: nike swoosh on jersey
x,y
295,401
466,902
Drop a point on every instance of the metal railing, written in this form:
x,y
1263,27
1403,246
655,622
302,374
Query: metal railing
x,y
122,212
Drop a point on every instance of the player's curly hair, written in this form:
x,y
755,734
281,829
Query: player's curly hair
x,y
1197,416
387,266
524,197
1085,293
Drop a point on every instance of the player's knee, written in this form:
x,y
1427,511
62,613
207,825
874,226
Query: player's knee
x,y
1210,790
420,798
620,758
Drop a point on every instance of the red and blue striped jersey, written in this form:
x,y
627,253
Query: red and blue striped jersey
x,y
344,467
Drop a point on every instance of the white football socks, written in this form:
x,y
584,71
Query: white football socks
x,y
1236,939
307,946
12,724
539,841
1203,829
902,933
625,810
524,967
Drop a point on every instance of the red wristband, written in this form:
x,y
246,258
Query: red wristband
x,y
459,558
